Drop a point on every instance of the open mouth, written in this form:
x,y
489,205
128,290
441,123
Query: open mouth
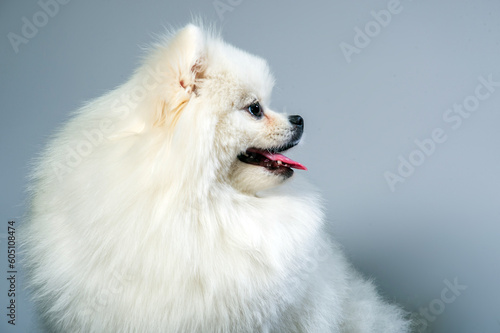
x,y
272,160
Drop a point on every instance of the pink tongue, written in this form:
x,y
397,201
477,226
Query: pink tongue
x,y
279,157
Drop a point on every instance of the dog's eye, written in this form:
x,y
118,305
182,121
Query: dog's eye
x,y
255,110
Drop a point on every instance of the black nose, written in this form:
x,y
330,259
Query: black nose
x,y
297,121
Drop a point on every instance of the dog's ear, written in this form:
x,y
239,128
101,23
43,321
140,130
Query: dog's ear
x,y
184,63
188,47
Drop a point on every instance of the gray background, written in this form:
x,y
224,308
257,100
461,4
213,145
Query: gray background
x,y
441,223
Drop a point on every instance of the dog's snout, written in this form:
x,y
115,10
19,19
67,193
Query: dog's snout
x,y
296,120
298,127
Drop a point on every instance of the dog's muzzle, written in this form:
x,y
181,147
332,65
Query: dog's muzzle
x,y
298,128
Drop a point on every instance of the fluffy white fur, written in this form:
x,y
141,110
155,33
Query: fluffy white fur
x,y
142,218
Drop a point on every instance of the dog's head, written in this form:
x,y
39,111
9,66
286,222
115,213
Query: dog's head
x,y
214,107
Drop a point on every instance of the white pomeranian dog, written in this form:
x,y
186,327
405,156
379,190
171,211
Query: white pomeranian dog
x,y
161,207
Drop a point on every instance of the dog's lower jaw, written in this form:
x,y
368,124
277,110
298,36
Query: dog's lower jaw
x,y
251,179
